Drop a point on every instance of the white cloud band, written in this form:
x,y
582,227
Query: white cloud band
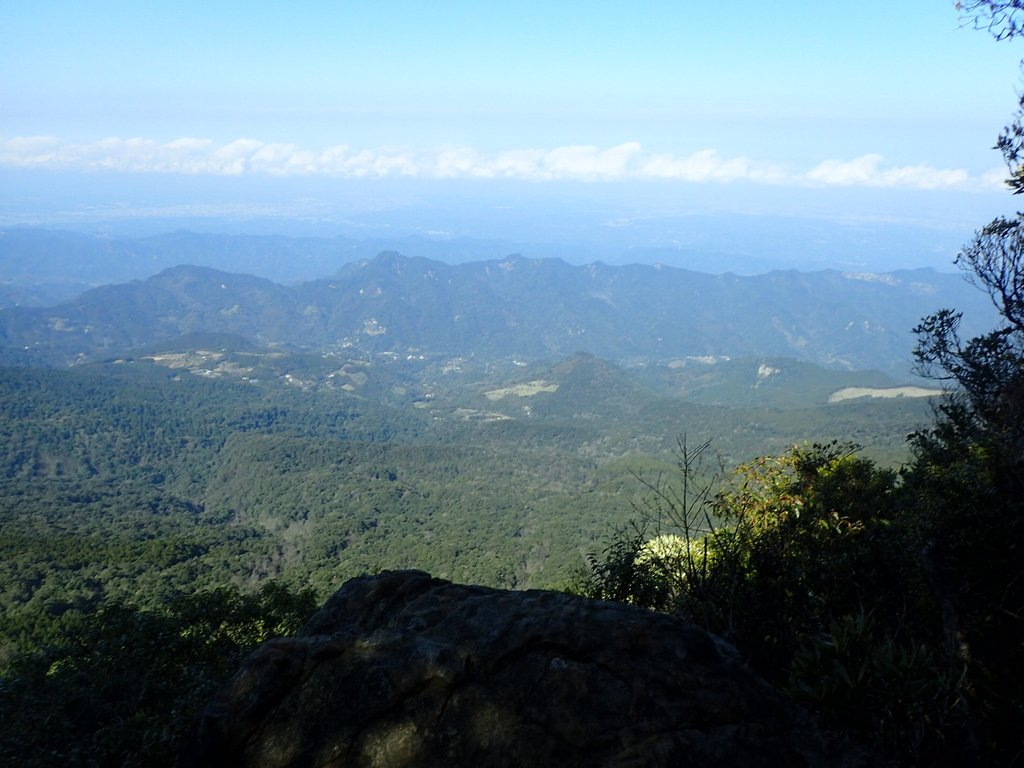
x,y
868,171
627,161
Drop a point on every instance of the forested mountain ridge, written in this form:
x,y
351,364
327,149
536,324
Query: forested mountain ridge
x,y
118,475
491,422
188,461
510,308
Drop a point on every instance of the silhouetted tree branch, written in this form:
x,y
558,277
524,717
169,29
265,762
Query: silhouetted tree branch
x,y
1002,20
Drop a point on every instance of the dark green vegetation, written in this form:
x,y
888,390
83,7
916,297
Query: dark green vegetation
x,y
890,603
130,488
227,443
240,433
133,480
118,686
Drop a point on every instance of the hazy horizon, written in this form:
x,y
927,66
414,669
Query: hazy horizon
x,y
597,127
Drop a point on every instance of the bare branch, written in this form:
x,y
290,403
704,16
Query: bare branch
x,y
1001,20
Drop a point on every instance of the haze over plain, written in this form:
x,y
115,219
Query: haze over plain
x,y
658,126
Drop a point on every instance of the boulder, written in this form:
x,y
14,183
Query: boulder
x,y
402,669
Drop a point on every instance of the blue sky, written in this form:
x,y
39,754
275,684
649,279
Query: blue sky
x,y
767,100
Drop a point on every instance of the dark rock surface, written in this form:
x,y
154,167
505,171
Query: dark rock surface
x,y
402,669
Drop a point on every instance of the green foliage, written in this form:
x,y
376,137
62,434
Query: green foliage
x,y
120,686
892,604
665,555
968,475
130,484
623,574
132,481
810,570
797,543
869,683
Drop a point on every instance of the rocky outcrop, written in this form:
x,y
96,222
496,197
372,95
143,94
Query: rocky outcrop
x,y
402,669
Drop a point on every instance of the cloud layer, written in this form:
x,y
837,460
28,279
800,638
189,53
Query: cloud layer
x,y
627,161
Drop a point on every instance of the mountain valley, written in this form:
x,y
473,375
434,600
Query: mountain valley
x,y
491,422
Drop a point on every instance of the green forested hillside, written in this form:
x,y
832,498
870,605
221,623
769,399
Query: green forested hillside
x,y
212,453
208,476
133,480
206,469
516,308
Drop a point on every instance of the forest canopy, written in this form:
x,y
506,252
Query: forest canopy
x,y
156,524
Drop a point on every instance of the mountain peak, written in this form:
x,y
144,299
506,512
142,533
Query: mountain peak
x,y
516,307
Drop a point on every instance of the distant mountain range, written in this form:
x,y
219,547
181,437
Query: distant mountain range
x,y
510,308
40,265
37,265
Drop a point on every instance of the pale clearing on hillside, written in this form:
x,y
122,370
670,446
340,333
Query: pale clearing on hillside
x,y
849,393
529,389
185,359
